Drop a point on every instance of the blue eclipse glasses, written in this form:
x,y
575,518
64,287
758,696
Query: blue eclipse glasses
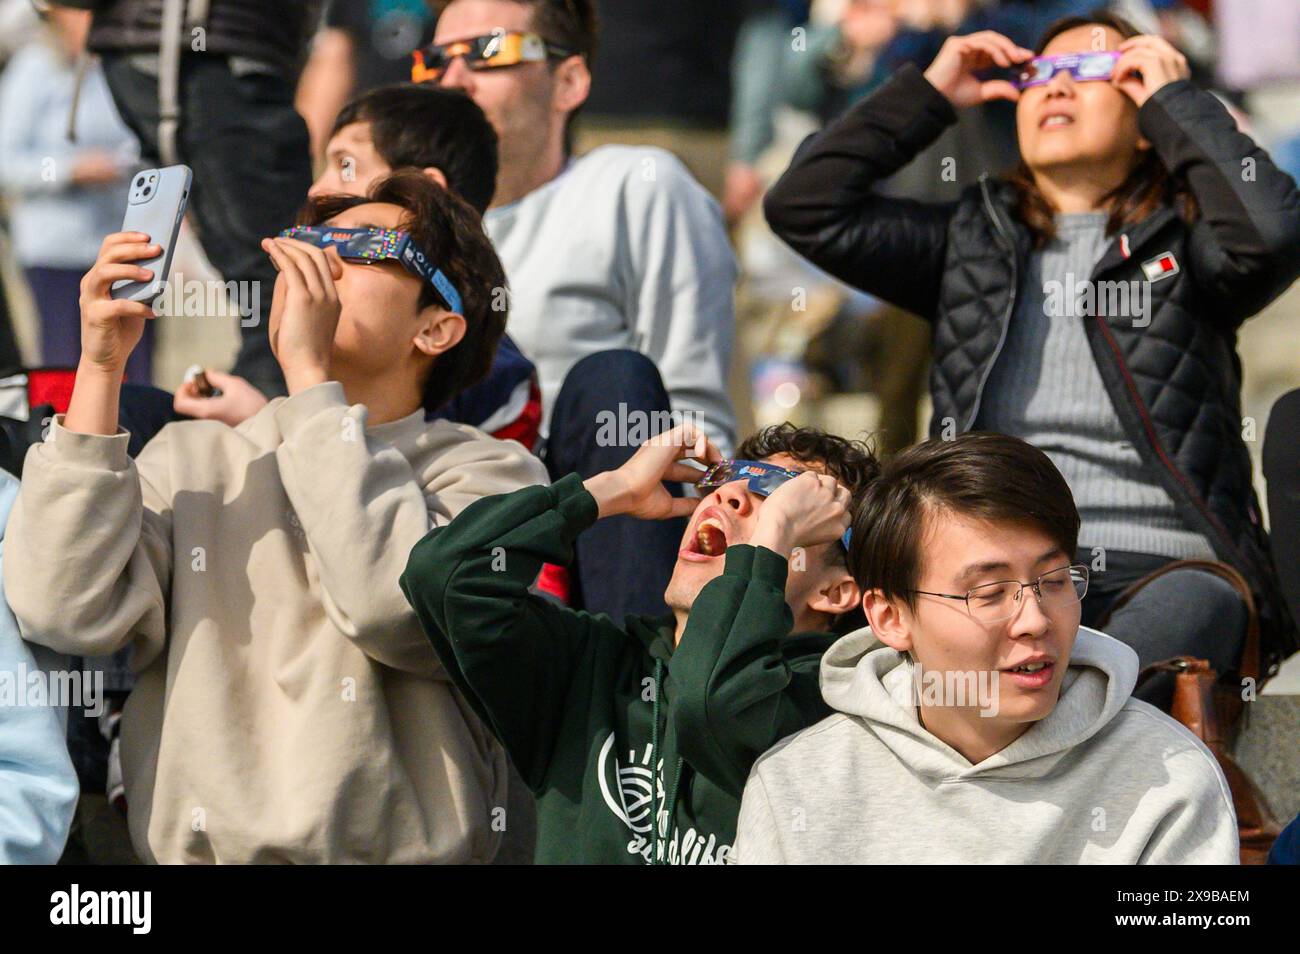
x,y
370,245
761,477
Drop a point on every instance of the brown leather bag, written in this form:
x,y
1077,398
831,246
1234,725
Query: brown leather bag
x,y
1195,689
1213,710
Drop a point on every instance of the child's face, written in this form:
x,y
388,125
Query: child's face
x,y
959,553
351,163
379,315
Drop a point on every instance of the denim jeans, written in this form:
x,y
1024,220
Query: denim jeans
x,y
1186,612
622,565
249,151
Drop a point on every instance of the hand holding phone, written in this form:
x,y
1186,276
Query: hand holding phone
x,y
111,327
155,206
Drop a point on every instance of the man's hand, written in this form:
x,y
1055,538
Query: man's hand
x,y
1147,63
237,402
953,70
309,314
637,489
811,509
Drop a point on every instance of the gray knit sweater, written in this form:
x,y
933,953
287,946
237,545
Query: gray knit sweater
x,y
1045,388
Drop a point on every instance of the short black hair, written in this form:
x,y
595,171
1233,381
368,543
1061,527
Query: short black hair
x,y
451,234
571,24
426,125
979,474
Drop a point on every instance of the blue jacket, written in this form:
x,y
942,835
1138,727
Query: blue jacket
x,y
38,787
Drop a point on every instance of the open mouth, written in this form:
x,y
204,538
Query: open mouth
x,y
1032,675
708,541
1031,667
710,538
1055,121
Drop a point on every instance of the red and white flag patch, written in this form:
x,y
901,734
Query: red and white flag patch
x,y
1162,266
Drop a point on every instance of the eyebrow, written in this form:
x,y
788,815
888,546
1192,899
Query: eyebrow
x,y
988,566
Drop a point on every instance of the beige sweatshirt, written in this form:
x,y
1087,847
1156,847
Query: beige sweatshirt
x,y
288,708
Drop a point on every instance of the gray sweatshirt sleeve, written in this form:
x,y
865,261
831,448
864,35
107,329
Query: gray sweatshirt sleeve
x,y
757,840
88,548
681,290
1200,825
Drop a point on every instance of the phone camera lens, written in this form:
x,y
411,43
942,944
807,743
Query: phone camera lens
x,y
148,189
139,182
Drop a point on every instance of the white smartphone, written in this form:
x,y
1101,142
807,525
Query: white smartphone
x,y
155,206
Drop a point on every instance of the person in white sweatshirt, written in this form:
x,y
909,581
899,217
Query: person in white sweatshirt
x,y
288,707
976,721
621,273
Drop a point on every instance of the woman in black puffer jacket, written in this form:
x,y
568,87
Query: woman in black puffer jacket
x,y
1088,302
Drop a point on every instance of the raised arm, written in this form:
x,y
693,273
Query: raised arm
x,y
741,681
1245,245
516,655
88,547
513,653
826,205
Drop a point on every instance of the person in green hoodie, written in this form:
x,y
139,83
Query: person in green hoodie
x,y
617,726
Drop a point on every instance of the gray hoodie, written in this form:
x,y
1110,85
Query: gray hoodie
x,y
1103,779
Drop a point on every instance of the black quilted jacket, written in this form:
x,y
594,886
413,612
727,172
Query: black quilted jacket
x,y
1173,375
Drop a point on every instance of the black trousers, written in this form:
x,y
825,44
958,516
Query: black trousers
x,y
1185,612
251,158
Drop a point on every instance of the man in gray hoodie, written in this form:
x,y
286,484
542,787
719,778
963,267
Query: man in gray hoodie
x,y
990,727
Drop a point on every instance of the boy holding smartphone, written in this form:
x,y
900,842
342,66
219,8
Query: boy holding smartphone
x,y
287,707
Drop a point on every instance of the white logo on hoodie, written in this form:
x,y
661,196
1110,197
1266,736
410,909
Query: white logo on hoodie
x,y
627,793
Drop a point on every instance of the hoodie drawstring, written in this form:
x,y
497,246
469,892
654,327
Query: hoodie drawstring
x,y
655,775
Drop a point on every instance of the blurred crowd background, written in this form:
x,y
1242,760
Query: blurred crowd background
x,y
730,86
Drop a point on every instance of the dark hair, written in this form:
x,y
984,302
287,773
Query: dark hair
x,y
979,474
451,235
571,24
852,463
426,125
1148,185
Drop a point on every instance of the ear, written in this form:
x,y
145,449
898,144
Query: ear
x,y
441,331
572,84
889,622
835,596
437,175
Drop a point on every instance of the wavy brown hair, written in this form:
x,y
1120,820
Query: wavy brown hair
x,y
1148,185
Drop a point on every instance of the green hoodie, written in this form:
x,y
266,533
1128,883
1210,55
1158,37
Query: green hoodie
x,y
586,707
